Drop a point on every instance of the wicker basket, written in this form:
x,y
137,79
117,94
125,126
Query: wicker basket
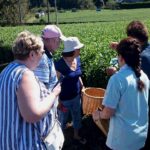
x,y
92,99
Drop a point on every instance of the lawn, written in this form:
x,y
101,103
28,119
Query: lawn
x,y
96,37
93,16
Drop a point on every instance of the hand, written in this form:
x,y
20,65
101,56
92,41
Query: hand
x,y
82,88
95,115
114,45
111,70
57,90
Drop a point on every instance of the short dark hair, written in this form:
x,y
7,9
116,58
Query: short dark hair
x,y
68,54
138,30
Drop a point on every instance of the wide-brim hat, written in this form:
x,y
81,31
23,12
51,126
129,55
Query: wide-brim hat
x,y
71,44
52,31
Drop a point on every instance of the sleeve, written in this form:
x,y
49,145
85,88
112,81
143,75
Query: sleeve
x,y
79,64
60,66
144,61
112,94
52,76
42,71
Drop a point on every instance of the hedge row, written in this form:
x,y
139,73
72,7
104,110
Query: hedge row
x,y
134,5
96,54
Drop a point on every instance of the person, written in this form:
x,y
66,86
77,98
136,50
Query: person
x,y
25,102
69,66
126,100
138,30
45,71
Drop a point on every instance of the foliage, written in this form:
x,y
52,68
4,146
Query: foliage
x,y
111,4
65,4
96,54
10,11
86,4
134,5
98,3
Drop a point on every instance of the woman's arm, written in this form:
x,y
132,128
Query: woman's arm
x,y
58,74
81,83
31,106
106,113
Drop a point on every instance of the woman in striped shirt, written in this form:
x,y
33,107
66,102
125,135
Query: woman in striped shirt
x,y
24,102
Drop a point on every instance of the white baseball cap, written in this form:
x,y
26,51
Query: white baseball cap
x,y
71,44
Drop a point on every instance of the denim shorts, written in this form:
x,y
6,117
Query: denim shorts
x,y
72,106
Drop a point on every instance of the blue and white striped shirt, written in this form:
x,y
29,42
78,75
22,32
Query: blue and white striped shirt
x,y
15,132
46,72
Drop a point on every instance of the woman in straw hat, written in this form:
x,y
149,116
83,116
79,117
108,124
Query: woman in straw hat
x,y
69,66
126,100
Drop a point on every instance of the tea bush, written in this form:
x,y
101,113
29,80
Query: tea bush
x,y
95,55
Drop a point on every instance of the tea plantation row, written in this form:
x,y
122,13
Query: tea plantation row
x,y
95,55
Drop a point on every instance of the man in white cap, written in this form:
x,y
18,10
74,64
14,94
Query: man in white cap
x,y
46,73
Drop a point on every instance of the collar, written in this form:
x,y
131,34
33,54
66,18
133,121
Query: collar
x,y
49,54
125,66
145,46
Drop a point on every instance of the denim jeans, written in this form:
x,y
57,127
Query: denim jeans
x,y
72,106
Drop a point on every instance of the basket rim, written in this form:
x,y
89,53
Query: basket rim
x,y
92,88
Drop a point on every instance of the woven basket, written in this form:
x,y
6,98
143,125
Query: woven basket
x,y
92,99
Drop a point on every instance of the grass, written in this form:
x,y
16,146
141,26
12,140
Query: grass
x,y
94,16
96,37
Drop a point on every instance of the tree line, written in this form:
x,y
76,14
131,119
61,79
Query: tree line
x,y
14,11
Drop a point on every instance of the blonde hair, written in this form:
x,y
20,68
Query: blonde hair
x,y
25,43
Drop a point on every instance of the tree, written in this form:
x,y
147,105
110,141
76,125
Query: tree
x,y
86,4
99,3
10,11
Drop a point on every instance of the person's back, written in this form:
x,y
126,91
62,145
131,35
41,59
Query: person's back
x,y
131,111
138,30
145,60
126,100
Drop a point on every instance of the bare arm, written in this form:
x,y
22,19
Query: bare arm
x,y
106,113
114,45
31,107
58,74
81,82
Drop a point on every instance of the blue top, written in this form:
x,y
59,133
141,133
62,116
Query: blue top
x,y
145,55
128,126
15,132
70,86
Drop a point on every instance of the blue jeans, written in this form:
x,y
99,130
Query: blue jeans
x,y
72,106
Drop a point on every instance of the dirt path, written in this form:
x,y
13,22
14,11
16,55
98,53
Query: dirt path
x,y
95,138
